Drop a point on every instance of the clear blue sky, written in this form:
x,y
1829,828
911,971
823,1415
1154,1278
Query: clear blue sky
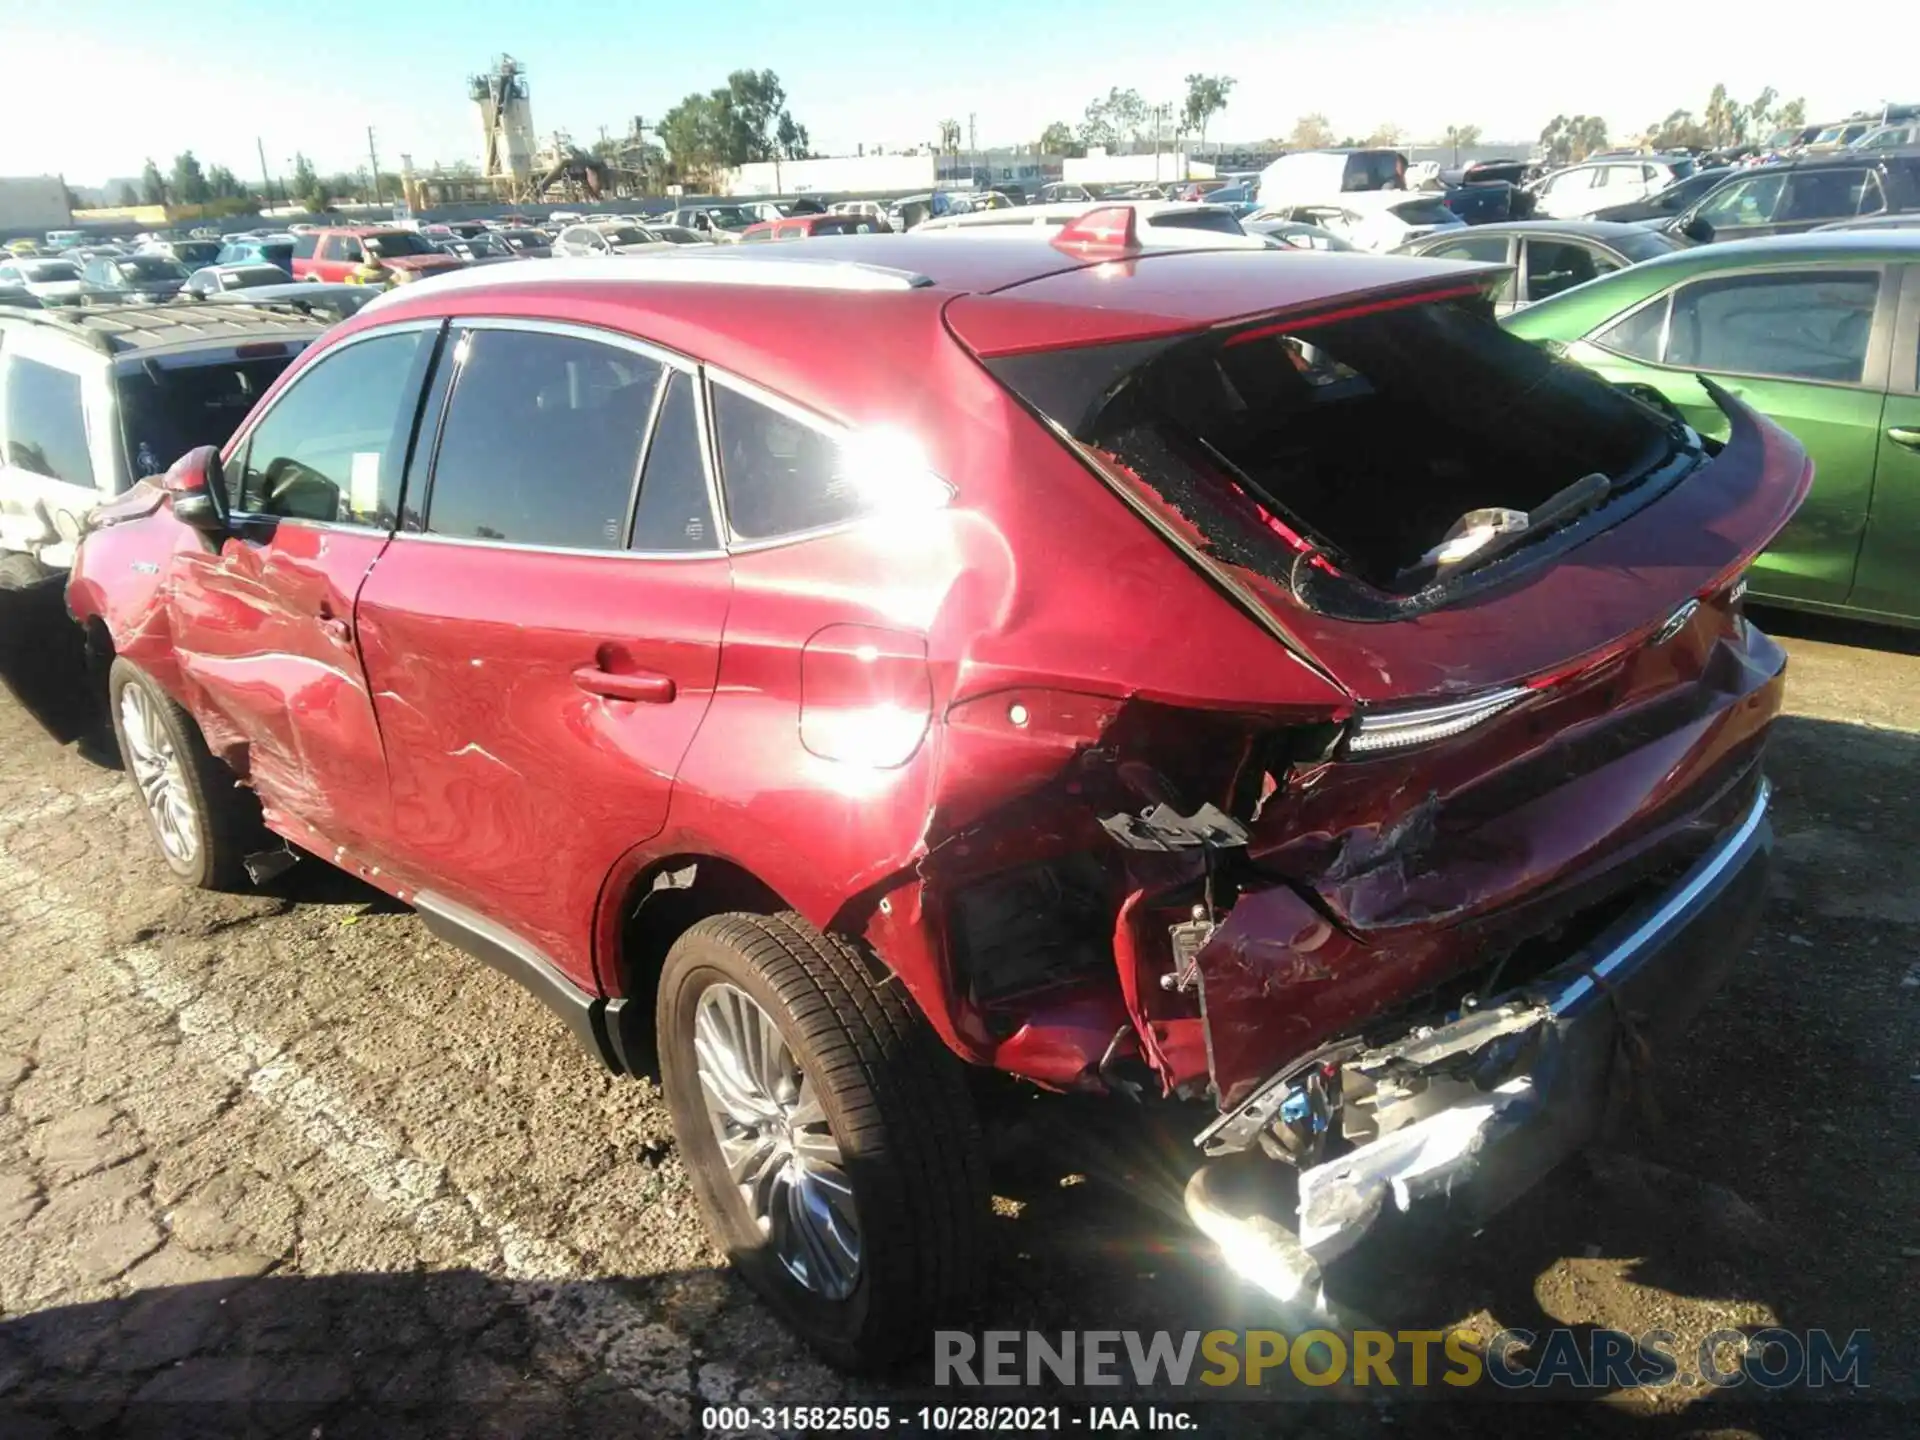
x,y
94,86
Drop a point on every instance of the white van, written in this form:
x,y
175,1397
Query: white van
x,y
1318,175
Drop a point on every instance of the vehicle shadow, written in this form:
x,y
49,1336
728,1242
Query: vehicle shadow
x,y
453,1353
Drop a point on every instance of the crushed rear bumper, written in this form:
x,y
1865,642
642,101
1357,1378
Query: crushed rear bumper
x,y
1471,1113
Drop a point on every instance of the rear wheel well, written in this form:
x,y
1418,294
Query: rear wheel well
x,y
666,900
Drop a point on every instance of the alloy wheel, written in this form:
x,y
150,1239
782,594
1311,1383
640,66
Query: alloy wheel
x,y
775,1141
157,774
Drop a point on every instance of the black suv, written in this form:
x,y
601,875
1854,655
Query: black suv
x,y
1795,195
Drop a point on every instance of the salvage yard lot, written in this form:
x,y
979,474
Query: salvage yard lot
x,y
285,1151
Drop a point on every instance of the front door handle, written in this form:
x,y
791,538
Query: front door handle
x,y
1902,435
641,686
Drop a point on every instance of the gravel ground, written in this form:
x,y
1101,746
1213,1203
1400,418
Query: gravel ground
x,y
281,1161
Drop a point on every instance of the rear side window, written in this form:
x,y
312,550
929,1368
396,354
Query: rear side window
x,y
1808,327
45,425
332,446
1824,194
1556,265
673,514
1489,249
1637,336
541,441
304,246
782,475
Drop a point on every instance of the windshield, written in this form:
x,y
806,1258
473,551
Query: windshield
x,y
1829,135
164,413
394,243
521,239
732,218
49,270
195,253
627,235
150,267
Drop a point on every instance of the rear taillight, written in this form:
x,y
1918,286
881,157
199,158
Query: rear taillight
x,y
866,696
1385,730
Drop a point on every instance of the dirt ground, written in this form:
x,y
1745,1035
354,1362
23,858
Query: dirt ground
x,y
282,1160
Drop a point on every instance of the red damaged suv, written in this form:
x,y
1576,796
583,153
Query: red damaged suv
x,y
1247,678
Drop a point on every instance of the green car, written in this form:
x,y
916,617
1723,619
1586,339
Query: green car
x,y
1819,332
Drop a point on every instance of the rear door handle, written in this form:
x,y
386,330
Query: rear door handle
x,y
642,686
1901,435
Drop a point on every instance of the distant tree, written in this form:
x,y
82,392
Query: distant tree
x,y
153,188
224,184
1463,137
792,138
1725,117
304,185
128,195
1791,116
1566,140
1385,137
1116,122
1059,139
1760,115
1679,129
949,137
1311,132
694,134
189,181
1206,98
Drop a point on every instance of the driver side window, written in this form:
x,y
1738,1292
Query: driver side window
x,y
332,447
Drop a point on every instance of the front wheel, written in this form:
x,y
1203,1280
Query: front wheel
x,y
828,1133
200,817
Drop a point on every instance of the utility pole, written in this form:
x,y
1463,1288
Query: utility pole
x,y
374,161
973,152
266,179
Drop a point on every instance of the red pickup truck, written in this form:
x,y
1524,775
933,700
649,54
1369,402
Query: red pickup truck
x,y
338,254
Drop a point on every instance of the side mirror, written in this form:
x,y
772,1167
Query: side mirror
x,y
196,486
1696,229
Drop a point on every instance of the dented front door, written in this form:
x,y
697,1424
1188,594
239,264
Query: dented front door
x,y
263,626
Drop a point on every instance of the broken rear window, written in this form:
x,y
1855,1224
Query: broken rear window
x,y
1386,449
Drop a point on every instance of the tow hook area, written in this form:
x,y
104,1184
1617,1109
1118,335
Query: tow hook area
x,y
1417,1112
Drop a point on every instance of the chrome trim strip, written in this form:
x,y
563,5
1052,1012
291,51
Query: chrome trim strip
x,y
614,554
619,339
1703,875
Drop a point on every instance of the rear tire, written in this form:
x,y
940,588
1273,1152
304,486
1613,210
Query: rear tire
x,y
202,820
874,1107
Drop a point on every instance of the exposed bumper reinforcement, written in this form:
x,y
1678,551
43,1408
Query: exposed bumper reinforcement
x,y
1475,1111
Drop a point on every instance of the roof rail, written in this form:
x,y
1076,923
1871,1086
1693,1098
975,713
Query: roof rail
x,y
59,321
794,272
